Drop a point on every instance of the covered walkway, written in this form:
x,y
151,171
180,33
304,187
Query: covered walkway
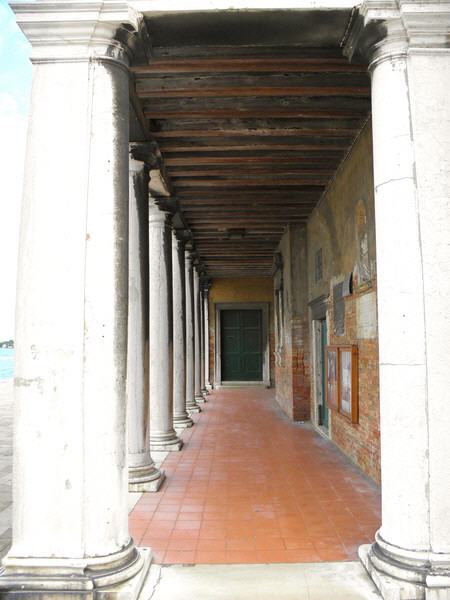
x,y
251,486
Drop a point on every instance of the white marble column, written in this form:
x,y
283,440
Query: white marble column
x,y
143,476
180,416
410,66
191,404
162,434
198,367
208,385
203,389
70,488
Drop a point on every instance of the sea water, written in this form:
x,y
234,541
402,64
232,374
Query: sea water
x,y
6,363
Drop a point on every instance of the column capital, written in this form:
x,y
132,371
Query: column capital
x,y
142,154
385,29
178,241
72,31
157,213
205,284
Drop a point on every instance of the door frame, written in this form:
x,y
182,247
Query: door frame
x,y
264,308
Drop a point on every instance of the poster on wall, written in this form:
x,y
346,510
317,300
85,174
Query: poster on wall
x,y
332,377
348,382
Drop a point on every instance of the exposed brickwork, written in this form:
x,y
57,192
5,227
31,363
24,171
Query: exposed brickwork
x,y
292,371
361,441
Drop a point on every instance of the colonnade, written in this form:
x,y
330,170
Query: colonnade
x,y
104,289
167,313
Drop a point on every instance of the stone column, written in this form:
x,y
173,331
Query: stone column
x,y
162,434
198,367
70,510
208,385
180,416
202,341
410,67
143,476
191,404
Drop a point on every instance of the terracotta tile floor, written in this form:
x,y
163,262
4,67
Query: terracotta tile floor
x,y
250,486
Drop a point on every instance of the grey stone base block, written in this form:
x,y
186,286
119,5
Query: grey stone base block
x,y
172,446
193,409
395,586
39,579
151,485
200,399
182,423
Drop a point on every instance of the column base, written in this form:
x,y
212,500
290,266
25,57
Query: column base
x,y
118,577
165,443
406,575
209,387
205,391
145,481
183,422
193,409
200,399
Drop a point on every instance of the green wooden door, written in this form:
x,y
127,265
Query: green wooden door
x,y
323,345
241,345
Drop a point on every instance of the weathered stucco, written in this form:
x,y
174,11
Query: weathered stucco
x,y
341,228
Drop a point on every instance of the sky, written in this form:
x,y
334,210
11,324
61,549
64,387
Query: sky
x,y
15,85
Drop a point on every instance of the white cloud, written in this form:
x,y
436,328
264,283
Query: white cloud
x,y
13,124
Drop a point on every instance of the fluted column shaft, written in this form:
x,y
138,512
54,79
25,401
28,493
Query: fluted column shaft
x,y
162,434
142,473
180,415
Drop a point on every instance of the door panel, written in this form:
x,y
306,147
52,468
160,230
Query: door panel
x,y
241,335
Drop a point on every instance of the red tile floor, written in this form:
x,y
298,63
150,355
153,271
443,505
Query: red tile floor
x,y
250,486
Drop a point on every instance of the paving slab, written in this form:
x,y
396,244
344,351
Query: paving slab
x,y
307,581
6,419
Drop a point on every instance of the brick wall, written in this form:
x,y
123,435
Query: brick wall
x,y
360,441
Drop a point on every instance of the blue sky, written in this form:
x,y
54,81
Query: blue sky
x,y
15,84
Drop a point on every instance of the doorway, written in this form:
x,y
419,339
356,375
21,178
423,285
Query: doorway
x,y
241,350
242,344
320,344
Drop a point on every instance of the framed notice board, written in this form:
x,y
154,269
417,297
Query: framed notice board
x,y
348,382
332,372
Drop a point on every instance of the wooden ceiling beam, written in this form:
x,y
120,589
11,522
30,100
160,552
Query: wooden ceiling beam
x,y
247,64
241,182
246,132
292,159
261,92
245,171
287,112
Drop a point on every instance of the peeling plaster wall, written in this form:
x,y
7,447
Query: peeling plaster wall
x,y
292,346
253,289
342,229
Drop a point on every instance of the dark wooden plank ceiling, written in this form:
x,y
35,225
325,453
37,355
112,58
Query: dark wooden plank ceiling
x,y
252,113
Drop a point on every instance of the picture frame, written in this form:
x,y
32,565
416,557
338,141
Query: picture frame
x,y
348,382
332,380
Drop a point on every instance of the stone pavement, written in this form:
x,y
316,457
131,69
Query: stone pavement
x,y
6,404
251,486
322,581
307,581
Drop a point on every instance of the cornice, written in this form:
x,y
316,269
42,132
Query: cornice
x,y
75,31
385,29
